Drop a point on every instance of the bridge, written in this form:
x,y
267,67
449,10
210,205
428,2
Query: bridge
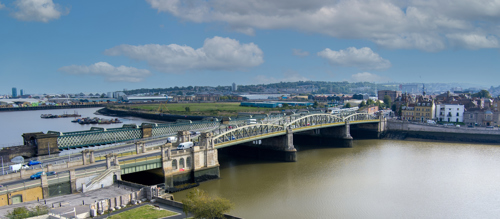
x,y
273,139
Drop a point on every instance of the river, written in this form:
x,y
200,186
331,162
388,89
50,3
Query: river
x,y
14,124
374,179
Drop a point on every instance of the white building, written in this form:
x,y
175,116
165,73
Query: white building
x,y
450,113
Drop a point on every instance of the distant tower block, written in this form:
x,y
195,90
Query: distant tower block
x,y
235,87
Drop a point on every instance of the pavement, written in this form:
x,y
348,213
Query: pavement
x,y
80,200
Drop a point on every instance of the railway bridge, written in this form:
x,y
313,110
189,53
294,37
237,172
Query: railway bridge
x,y
265,140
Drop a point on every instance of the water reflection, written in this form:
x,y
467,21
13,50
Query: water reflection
x,y
374,179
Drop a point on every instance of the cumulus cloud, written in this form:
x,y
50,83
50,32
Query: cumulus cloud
x,y
363,58
37,10
288,76
397,24
111,73
299,52
216,54
367,77
473,41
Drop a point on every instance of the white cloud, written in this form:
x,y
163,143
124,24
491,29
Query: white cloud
x,y
216,54
37,10
288,76
367,77
473,41
2,6
397,24
299,52
363,58
111,73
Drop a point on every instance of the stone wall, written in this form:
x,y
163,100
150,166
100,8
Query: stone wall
x,y
7,153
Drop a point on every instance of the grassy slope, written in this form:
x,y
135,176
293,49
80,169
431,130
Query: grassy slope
x,y
208,109
143,212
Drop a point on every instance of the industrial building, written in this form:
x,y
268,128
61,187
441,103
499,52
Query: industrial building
x,y
274,104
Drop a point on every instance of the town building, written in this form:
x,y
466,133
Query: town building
x,y
481,117
407,112
450,112
234,87
425,110
391,93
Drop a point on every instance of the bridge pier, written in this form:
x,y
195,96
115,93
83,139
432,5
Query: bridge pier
x,y
72,181
338,136
370,130
45,186
140,147
91,158
279,148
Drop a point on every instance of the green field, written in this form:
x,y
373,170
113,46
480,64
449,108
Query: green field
x,y
144,212
205,109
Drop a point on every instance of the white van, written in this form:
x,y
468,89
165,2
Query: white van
x,y
251,121
185,145
171,139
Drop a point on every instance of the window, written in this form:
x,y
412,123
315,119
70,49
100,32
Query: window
x,y
181,163
174,164
458,114
188,162
471,116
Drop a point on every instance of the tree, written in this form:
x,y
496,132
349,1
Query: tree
x,y
347,105
315,104
387,101
362,104
201,205
482,94
285,105
179,93
187,109
370,102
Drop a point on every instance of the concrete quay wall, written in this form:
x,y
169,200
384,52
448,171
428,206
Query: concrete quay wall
x,y
409,131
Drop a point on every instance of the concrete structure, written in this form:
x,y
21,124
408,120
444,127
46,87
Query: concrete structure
x,y
234,87
450,113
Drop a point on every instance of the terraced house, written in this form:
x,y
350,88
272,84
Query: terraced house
x,y
424,111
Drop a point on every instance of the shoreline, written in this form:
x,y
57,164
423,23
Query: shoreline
x,y
160,117
33,108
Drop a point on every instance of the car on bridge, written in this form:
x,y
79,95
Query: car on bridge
x,y
36,175
34,162
39,174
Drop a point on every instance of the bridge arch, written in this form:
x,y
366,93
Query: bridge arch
x,y
360,116
247,131
318,118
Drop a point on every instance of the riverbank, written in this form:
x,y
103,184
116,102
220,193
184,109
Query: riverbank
x,y
12,109
118,112
398,130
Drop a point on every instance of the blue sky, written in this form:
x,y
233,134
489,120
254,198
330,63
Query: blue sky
x,y
52,46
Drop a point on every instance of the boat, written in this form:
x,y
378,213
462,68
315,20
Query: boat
x,y
65,115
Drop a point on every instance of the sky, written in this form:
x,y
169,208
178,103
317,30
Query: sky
x,y
55,46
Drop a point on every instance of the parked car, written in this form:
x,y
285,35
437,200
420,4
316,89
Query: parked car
x,y
34,162
36,175
51,173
